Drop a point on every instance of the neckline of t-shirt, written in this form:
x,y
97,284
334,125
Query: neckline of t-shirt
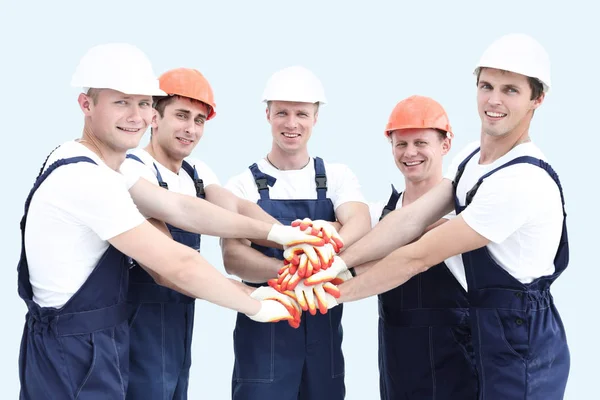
x,y
517,151
267,165
89,153
164,170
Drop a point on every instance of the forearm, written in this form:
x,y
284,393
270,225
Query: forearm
x,y
354,229
253,210
247,263
402,226
198,278
380,276
205,218
361,269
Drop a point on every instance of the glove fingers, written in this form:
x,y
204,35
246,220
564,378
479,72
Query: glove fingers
x,y
281,277
338,243
293,282
309,269
282,269
309,239
301,299
321,277
321,299
285,281
330,288
302,265
310,299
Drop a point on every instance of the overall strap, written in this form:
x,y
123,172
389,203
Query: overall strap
x,y
262,180
320,179
519,160
198,183
461,168
391,204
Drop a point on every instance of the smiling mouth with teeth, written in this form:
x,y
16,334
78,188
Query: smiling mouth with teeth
x,y
183,140
495,114
133,130
413,163
290,135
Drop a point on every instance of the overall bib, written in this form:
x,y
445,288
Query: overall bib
x,y
81,350
274,360
519,340
161,323
425,350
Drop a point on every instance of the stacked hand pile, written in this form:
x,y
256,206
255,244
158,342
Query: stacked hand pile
x,y
310,272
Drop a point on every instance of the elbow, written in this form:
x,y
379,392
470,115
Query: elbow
x,y
183,270
229,258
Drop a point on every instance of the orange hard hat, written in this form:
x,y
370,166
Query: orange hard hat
x,y
419,112
190,83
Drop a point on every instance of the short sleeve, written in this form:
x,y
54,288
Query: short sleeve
x,y
133,170
504,202
346,188
236,185
100,200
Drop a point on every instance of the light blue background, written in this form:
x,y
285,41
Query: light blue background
x,y
369,56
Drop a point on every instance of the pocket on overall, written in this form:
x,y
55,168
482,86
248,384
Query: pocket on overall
x,y
509,330
80,359
254,348
96,361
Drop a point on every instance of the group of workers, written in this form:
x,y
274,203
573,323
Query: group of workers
x,y
462,262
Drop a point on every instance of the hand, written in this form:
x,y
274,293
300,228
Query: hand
x,y
289,236
322,229
276,306
322,296
301,254
327,275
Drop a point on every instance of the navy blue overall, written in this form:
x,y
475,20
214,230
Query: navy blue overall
x,y
274,360
520,344
81,350
162,322
425,349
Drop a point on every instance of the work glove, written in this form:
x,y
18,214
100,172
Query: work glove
x,y
327,275
322,296
322,229
288,236
276,306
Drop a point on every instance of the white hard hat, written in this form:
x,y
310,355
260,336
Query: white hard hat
x,y
294,84
117,66
518,53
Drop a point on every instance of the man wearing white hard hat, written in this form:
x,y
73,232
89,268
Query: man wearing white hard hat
x,y
81,223
161,326
510,229
302,361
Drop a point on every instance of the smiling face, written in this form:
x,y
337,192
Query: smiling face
x,y
418,153
504,102
291,124
116,119
180,127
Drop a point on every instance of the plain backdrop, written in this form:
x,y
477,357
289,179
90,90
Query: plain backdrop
x,y
369,56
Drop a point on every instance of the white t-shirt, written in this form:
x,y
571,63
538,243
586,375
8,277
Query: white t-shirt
x,y
72,215
179,183
342,184
518,209
459,273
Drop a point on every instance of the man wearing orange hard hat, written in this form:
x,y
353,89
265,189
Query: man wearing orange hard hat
x,y
162,318
423,324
